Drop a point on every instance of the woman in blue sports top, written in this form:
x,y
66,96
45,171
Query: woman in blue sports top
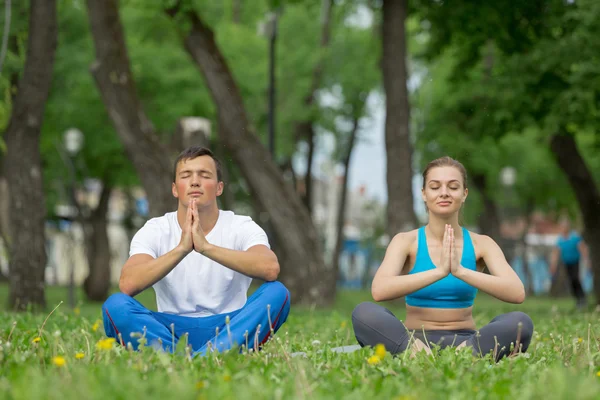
x,y
438,269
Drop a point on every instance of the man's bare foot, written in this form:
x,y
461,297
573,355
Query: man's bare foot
x,y
418,346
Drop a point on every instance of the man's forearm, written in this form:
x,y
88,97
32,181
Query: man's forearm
x,y
254,264
138,277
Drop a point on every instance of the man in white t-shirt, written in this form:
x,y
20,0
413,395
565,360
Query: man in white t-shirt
x,y
200,261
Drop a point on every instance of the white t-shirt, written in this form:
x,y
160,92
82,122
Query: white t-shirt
x,y
199,286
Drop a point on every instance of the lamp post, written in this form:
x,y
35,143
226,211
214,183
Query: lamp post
x,y
508,177
72,143
273,17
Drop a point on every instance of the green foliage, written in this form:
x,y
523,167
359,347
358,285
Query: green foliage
x,y
563,359
468,26
545,64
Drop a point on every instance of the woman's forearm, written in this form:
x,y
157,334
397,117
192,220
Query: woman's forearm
x,y
393,287
505,289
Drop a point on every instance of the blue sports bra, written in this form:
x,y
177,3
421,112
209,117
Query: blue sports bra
x,y
448,292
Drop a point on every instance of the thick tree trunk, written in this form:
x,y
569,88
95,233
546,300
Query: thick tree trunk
x,y
400,209
23,166
97,284
489,220
303,270
115,81
227,197
185,136
304,129
341,216
570,160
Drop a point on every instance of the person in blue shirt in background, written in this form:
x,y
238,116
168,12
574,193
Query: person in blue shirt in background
x,y
570,249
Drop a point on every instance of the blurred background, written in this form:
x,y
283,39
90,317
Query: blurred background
x,y
324,113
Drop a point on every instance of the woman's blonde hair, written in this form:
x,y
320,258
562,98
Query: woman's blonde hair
x,y
445,162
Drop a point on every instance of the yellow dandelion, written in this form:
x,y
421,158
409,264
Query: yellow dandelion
x,y
373,360
76,311
598,374
227,378
96,326
79,355
36,340
105,344
59,361
580,340
343,324
200,385
380,350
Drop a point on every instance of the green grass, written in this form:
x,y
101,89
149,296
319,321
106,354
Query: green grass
x,y
563,360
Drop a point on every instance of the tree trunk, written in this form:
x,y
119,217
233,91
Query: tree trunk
x,y
303,270
23,166
97,284
114,79
304,129
289,174
4,210
489,221
185,136
341,216
237,11
400,209
227,197
4,218
568,157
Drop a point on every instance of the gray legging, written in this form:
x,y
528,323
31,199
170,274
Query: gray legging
x,y
374,324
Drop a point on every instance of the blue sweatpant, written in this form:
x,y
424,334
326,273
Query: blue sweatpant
x,y
251,325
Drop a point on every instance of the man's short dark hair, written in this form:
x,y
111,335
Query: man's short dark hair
x,y
193,152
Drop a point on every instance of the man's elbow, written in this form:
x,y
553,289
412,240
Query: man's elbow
x,y
272,271
126,287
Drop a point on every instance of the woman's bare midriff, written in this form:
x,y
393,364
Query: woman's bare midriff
x,y
418,318
436,318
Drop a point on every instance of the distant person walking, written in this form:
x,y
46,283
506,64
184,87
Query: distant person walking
x,y
571,249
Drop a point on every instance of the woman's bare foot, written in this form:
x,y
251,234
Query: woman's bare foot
x,y
418,346
460,346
